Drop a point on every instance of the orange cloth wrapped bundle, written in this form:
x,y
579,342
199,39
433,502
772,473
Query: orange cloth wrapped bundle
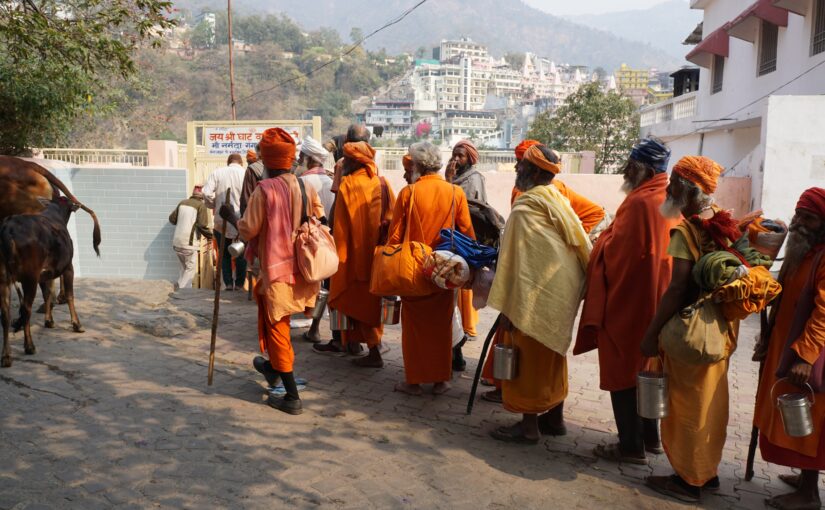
x,y
749,294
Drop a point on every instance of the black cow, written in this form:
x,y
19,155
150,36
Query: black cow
x,y
36,249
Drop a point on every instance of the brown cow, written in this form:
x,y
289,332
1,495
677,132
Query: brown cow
x,y
35,249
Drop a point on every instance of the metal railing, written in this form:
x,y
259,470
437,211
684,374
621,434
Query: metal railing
x,y
97,156
681,107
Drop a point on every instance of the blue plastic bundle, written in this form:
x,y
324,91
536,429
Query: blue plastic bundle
x,y
476,255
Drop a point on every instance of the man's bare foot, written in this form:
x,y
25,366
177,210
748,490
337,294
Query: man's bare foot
x,y
794,501
371,360
441,388
312,336
410,389
793,480
492,396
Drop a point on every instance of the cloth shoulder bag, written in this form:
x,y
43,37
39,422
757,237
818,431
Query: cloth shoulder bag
x,y
397,268
315,252
697,334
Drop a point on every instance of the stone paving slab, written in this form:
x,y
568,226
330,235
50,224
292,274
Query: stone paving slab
x,y
121,417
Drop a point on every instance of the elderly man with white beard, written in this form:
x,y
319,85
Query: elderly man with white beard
x,y
796,340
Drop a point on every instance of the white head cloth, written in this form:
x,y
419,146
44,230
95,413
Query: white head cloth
x,y
312,148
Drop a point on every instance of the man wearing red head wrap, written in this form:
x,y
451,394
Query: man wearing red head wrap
x,y
363,204
460,172
694,432
795,343
272,215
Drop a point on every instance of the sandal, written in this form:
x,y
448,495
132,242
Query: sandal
x,y
441,388
367,362
409,389
329,348
793,480
613,453
513,434
493,396
674,487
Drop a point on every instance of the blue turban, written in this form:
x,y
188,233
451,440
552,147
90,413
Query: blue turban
x,y
653,152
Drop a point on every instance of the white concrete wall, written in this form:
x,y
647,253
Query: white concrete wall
x,y
795,152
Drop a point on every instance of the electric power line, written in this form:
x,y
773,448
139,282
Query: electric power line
x,y
351,49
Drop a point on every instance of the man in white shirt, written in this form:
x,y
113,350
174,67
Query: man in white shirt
x,y
312,158
226,178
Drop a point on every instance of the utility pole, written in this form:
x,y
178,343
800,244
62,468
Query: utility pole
x,y
231,61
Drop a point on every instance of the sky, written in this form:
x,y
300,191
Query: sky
x,y
568,8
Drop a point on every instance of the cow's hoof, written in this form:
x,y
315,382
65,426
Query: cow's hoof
x,y
78,328
30,350
49,324
5,362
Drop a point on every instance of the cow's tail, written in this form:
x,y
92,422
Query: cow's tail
x,y
8,250
57,183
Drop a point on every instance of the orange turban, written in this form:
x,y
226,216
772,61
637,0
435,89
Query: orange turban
x,y
701,171
472,152
363,154
251,157
523,146
407,162
277,149
813,201
534,155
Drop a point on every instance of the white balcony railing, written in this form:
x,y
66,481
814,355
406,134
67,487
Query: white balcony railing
x,y
681,107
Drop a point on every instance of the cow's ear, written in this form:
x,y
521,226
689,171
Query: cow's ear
x,y
44,201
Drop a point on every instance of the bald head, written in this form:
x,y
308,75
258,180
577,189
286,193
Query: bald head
x,y
358,133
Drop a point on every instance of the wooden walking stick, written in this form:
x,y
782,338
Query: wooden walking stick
x,y
764,336
480,366
217,306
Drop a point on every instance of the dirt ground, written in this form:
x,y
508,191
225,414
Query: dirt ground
x,y
121,416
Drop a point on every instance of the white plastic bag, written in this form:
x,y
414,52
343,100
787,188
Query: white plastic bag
x,y
458,327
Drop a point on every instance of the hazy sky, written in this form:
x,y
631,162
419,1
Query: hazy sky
x,y
567,7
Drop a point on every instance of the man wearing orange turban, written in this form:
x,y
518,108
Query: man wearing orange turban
x,y
363,205
251,157
694,432
795,349
460,172
272,215
590,214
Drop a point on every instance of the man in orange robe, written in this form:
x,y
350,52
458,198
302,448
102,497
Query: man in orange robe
x,y
694,431
362,205
629,269
797,334
272,215
537,288
590,214
426,322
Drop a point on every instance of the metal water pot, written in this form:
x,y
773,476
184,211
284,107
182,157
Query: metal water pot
x,y
391,310
505,362
320,304
651,395
236,249
338,321
795,409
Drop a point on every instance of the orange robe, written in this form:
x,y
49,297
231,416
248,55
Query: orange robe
x,y
694,431
278,300
629,269
426,322
357,222
535,363
469,315
777,448
590,213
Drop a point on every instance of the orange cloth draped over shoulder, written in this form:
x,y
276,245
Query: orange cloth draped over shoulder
x,y
469,315
590,213
695,430
778,448
629,270
358,218
536,363
426,322
277,300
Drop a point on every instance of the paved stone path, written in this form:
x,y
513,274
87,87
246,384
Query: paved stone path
x,y
121,416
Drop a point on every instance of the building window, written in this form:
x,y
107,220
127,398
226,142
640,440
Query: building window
x,y
767,48
818,40
718,74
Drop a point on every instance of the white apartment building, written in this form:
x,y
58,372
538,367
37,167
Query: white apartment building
x,y
759,109
464,47
394,117
480,126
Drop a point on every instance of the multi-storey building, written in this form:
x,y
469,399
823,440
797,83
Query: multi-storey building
x,y
464,47
395,118
759,109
